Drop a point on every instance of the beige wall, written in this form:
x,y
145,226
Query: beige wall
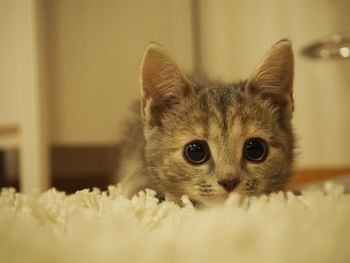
x,y
94,53
13,60
234,35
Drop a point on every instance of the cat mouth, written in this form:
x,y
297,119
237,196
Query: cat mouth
x,y
209,201
196,203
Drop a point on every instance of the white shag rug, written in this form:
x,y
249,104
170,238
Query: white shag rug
x,y
106,227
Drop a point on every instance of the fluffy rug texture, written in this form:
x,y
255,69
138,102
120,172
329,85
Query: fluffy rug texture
x,y
95,226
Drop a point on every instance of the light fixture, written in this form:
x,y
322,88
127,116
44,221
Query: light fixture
x,y
336,46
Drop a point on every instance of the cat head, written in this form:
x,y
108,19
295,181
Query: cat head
x,y
206,140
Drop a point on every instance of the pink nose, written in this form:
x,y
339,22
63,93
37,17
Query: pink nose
x,y
229,184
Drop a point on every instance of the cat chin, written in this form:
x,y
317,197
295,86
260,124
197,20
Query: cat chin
x,y
209,201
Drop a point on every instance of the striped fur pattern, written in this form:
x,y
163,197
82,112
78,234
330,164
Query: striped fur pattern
x,y
176,110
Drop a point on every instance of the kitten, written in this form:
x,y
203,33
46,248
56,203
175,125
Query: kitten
x,y
205,140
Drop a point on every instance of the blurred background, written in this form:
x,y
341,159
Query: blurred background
x,y
70,69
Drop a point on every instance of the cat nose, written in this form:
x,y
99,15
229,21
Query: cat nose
x,y
229,184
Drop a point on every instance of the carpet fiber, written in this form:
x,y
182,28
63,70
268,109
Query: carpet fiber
x,y
106,227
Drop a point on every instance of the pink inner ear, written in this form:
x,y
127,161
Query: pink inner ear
x,y
273,80
162,82
276,72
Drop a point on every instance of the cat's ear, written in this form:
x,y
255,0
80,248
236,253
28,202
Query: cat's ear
x,y
162,84
273,79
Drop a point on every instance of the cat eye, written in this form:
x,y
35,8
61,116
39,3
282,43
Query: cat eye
x,y
196,152
255,150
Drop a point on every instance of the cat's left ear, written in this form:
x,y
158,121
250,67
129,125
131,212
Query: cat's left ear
x,y
163,84
274,78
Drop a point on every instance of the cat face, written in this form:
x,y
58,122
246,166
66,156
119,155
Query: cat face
x,y
206,140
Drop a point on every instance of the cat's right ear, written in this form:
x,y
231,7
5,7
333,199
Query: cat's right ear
x,y
162,84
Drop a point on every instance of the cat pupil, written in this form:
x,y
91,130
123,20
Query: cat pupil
x,y
255,150
196,152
